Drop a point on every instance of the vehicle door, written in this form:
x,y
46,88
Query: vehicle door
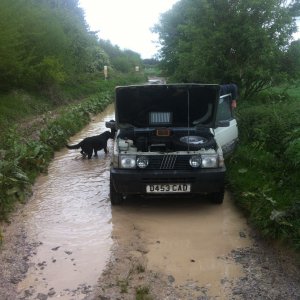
x,y
226,132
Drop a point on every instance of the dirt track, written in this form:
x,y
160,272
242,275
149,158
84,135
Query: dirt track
x,y
68,243
193,250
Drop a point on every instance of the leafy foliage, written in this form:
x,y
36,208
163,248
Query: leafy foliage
x,y
223,41
46,48
13,180
46,44
121,60
292,151
264,172
291,60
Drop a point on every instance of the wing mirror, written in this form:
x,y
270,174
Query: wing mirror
x,y
223,123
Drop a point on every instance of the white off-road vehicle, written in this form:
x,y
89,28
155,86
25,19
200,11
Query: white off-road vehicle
x,y
171,139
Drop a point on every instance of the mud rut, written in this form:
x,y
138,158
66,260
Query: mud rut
x,y
70,219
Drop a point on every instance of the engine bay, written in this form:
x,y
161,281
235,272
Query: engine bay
x,y
164,140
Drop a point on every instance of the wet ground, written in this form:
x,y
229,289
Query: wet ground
x,y
189,249
186,239
69,216
68,242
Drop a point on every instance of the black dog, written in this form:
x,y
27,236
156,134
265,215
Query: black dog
x,y
94,143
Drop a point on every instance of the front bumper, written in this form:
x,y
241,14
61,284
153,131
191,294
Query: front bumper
x,y
135,181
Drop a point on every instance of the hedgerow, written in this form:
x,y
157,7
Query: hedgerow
x,y
264,171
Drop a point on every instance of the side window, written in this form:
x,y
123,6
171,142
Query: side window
x,y
224,108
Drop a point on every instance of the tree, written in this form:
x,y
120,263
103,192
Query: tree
x,y
291,60
46,43
241,41
10,62
121,60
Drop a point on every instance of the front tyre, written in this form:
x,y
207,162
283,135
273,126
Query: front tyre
x,y
115,197
217,197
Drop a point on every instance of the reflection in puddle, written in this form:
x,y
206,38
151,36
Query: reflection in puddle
x,y
70,217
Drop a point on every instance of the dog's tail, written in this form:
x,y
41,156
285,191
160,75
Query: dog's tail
x,y
77,146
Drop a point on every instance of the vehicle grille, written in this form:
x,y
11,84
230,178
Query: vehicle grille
x,y
169,162
168,180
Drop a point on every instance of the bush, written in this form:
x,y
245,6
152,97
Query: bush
x,y
292,152
263,173
269,125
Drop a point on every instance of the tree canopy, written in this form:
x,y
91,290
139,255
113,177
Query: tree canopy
x,y
241,41
46,43
122,60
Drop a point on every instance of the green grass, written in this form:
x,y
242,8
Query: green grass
x,y
294,92
19,104
152,71
290,90
143,293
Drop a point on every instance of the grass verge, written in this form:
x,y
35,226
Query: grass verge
x,y
263,174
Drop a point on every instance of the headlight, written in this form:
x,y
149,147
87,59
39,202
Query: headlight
x,y
142,162
195,161
210,161
127,161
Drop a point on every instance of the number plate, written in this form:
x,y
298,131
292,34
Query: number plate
x,y
168,188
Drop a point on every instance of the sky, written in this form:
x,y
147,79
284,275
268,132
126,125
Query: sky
x,y
127,23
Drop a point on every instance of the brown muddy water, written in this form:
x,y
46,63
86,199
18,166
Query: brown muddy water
x,y
71,217
188,240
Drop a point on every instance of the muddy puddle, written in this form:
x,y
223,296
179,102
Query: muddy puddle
x,y
188,240
69,216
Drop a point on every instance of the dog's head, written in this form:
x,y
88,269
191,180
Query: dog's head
x,y
112,133
111,126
